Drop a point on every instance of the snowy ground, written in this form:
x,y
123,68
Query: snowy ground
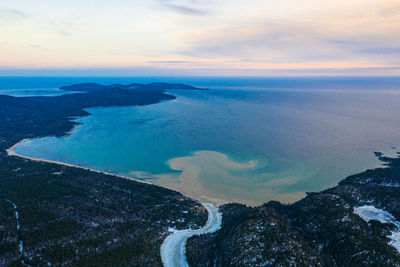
x,y
371,213
173,252
20,243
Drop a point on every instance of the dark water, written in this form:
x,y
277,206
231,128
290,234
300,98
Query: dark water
x,y
247,140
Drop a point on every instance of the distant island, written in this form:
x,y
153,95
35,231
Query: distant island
x,y
52,214
89,87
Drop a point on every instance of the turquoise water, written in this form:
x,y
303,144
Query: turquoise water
x,y
246,141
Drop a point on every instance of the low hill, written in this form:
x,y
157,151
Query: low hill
x,y
89,87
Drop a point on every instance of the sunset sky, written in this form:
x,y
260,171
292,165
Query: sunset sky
x,y
200,37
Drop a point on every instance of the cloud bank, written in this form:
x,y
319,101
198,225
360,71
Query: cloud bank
x,y
203,36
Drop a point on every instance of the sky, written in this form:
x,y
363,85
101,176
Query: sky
x,y
200,37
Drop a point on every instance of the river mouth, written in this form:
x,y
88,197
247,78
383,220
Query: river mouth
x,y
246,146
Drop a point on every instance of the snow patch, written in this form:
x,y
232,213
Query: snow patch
x,y
395,237
369,213
172,229
20,243
372,213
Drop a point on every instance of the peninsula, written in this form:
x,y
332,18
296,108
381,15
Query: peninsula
x,y
77,216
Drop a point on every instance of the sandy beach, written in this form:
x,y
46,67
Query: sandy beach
x,y
11,152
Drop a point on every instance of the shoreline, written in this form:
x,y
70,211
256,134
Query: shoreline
x,y
173,247
11,152
196,197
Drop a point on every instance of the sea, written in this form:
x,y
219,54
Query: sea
x,y
247,140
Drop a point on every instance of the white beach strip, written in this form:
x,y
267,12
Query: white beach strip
x,y
11,152
173,249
